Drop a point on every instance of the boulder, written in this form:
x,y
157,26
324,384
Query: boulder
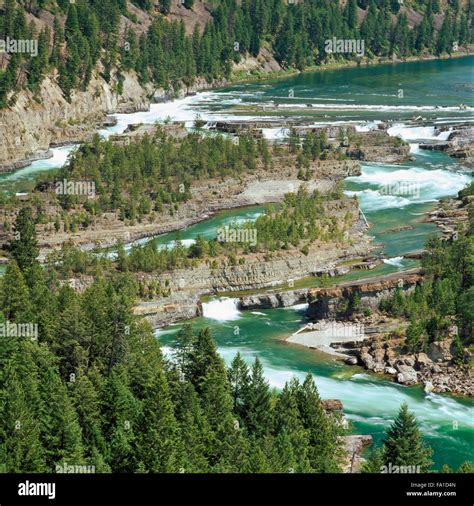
x,y
422,360
379,366
379,355
428,388
436,368
406,375
351,360
439,351
390,356
367,360
330,405
390,370
409,361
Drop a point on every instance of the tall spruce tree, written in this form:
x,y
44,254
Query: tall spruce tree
x,y
24,246
404,445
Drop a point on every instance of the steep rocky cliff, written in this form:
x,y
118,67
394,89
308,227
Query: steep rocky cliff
x,y
34,123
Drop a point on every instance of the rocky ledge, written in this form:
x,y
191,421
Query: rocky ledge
x,y
354,445
452,214
459,144
434,369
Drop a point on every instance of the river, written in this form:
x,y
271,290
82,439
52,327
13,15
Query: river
x,y
364,97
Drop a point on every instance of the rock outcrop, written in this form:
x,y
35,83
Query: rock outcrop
x,y
336,303
435,370
355,446
34,123
460,144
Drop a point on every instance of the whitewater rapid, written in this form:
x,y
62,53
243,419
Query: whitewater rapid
x,y
360,393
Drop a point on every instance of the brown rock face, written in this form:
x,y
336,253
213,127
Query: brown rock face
x,y
440,351
330,405
31,126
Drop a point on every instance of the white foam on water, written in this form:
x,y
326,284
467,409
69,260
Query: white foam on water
x,y
373,200
167,351
275,133
395,261
373,420
172,244
298,307
240,219
409,133
185,109
163,332
367,127
59,158
360,376
424,185
258,313
415,148
224,309
365,399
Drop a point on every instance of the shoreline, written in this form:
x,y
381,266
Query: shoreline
x,y
13,166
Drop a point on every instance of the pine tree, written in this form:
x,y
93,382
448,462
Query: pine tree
x,y
257,402
239,384
158,438
24,246
289,428
71,27
14,297
193,427
19,431
350,14
404,445
374,463
325,452
204,358
120,416
413,335
87,404
165,6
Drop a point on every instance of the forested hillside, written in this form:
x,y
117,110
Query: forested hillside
x,y
93,389
154,38
446,297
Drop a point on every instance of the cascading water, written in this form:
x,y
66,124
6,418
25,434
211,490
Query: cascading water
x,y
365,98
224,309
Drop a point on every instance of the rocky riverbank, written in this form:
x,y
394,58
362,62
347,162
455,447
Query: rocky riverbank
x,y
452,215
207,198
187,286
361,335
435,369
459,144
210,196
354,445
377,343
36,122
371,146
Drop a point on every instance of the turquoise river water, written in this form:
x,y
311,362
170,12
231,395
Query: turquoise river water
x,y
363,97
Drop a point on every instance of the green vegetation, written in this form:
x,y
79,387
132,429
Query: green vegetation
x,y
444,299
154,175
92,388
301,220
404,450
87,32
301,217
150,176
403,446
